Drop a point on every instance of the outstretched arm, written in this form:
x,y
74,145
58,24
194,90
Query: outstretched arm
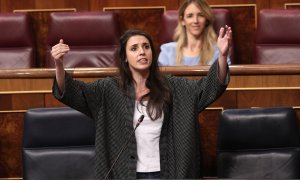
x,y
224,43
58,51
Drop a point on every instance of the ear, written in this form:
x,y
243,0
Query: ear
x,y
181,21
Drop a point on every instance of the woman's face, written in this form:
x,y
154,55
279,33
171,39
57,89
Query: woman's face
x,y
139,53
194,20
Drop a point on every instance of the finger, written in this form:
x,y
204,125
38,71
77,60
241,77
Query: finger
x,y
60,46
61,41
58,53
229,36
229,32
57,46
221,32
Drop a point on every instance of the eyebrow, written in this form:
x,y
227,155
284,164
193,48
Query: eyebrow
x,y
134,45
201,12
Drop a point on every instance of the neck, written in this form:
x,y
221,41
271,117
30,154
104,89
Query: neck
x,y
140,85
193,43
140,77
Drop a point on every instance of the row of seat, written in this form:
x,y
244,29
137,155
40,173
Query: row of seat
x,y
93,37
259,143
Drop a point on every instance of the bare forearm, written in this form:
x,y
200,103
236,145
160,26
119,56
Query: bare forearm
x,y
222,68
224,43
60,76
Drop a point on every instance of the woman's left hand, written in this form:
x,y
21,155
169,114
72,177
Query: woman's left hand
x,y
224,40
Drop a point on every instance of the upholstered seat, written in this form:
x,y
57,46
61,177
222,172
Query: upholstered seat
x,y
92,36
16,41
259,143
58,143
278,37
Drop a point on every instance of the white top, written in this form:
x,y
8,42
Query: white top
x,y
167,56
147,137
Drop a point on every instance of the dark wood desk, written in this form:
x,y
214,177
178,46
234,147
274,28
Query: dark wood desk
x,y
250,86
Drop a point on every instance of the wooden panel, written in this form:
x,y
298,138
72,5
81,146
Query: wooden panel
x,y
244,20
279,4
10,5
26,84
244,32
209,125
292,6
6,102
20,102
50,101
264,81
61,4
53,4
268,98
11,129
138,3
134,18
261,4
226,101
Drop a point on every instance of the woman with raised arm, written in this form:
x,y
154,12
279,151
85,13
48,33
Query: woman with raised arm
x,y
166,144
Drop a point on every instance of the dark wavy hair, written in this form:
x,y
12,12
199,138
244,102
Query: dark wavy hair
x,y
159,94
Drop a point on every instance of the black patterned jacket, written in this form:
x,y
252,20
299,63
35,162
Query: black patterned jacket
x,y
112,111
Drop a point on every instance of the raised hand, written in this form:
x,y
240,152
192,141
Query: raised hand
x,y
59,50
224,40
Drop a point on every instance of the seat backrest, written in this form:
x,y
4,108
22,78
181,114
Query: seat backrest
x,y
16,41
278,37
58,143
92,36
169,22
259,143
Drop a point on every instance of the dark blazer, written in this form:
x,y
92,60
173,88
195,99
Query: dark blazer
x,y
112,111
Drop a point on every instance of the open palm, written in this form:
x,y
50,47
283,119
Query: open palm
x,y
224,40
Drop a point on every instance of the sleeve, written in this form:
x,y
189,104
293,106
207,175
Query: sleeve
x,y
209,88
84,97
167,55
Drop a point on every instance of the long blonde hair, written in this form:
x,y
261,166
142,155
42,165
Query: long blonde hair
x,y
208,38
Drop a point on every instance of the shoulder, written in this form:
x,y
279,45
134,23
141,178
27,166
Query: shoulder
x,y
107,82
167,55
111,81
168,46
175,80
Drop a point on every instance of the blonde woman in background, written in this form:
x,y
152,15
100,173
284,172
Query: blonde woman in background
x,y
195,38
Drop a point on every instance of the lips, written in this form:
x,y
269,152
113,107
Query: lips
x,y
143,60
196,27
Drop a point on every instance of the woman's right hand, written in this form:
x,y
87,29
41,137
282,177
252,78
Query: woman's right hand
x,y
58,51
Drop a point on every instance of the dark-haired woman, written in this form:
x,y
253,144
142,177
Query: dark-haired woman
x,y
166,144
